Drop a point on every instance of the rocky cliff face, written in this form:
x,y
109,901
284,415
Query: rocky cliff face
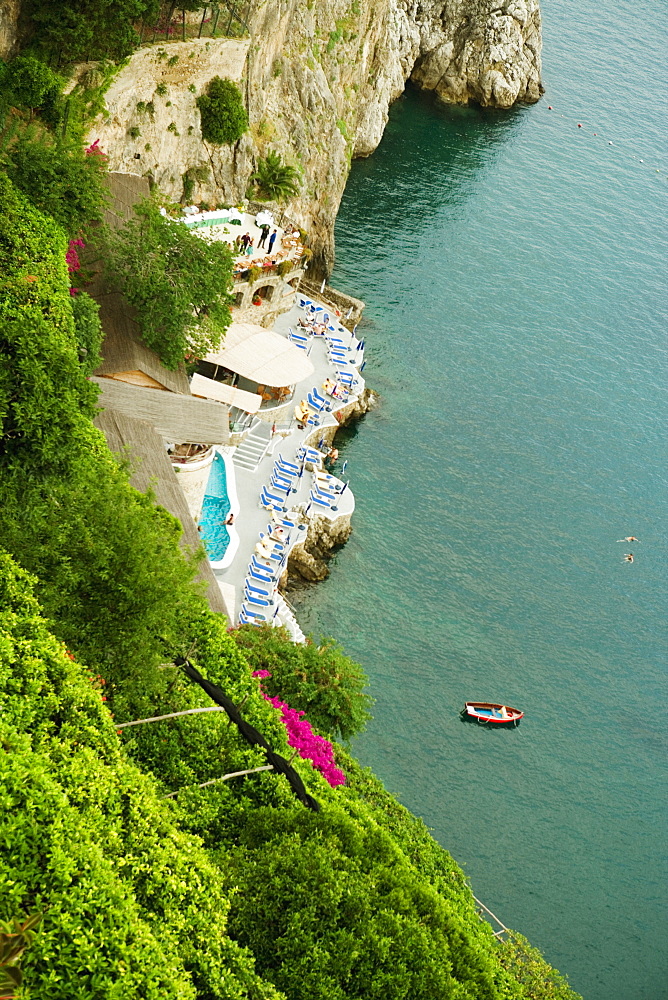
x,y
319,76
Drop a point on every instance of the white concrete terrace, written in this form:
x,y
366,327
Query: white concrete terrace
x,y
285,438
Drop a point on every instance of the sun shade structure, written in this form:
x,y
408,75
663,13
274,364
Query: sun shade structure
x,y
262,356
200,385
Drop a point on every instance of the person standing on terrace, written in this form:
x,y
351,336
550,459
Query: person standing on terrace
x,y
272,240
264,228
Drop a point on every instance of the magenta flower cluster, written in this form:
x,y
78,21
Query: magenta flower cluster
x,y
301,738
73,262
72,256
94,150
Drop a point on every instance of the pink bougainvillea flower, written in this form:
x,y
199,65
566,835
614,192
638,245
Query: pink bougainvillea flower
x,y
94,150
309,745
261,673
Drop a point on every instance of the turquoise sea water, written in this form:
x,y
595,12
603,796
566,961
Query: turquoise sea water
x,y
513,269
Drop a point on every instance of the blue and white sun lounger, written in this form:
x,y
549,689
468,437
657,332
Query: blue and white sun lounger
x,y
271,502
254,574
258,601
288,465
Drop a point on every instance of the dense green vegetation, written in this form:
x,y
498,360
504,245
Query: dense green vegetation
x,y
319,680
130,906
275,180
223,112
231,891
89,29
177,281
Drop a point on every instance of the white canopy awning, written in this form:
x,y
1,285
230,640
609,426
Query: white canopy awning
x,y
262,356
210,389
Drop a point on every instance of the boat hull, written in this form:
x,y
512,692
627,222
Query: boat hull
x,y
488,713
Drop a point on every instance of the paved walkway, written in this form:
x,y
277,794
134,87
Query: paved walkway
x,y
252,518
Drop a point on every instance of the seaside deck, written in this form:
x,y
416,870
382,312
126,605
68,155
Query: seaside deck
x,y
285,436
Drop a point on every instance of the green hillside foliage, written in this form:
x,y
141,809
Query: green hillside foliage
x,y
40,143
110,571
178,282
87,331
231,891
28,84
81,30
130,906
44,396
319,680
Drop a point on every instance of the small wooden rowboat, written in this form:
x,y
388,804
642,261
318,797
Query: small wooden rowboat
x,y
485,712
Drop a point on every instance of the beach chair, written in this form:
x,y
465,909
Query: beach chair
x,y
324,402
275,546
324,494
317,502
260,577
310,456
263,569
271,555
286,464
257,602
314,403
253,588
271,502
278,484
284,472
246,619
345,378
337,357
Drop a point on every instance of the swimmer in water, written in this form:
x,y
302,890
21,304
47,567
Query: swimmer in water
x,y
628,557
631,538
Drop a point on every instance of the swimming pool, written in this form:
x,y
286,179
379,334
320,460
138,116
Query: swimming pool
x,y
216,506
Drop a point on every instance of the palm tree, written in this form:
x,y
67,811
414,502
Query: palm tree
x,y
274,179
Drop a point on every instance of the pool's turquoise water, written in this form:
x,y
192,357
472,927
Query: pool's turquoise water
x,y
215,508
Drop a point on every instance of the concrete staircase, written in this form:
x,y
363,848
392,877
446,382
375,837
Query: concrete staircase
x,y
254,447
287,618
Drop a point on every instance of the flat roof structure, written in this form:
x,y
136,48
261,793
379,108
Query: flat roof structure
x,y
262,356
175,417
209,388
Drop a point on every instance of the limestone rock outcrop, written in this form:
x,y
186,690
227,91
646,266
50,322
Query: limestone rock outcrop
x,y
308,560
318,78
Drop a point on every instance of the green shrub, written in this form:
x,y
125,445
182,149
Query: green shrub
x,y
161,89
87,331
134,132
43,391
69,513
224,116
31,85
349,916
274,179
56,175
178,282
319,680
